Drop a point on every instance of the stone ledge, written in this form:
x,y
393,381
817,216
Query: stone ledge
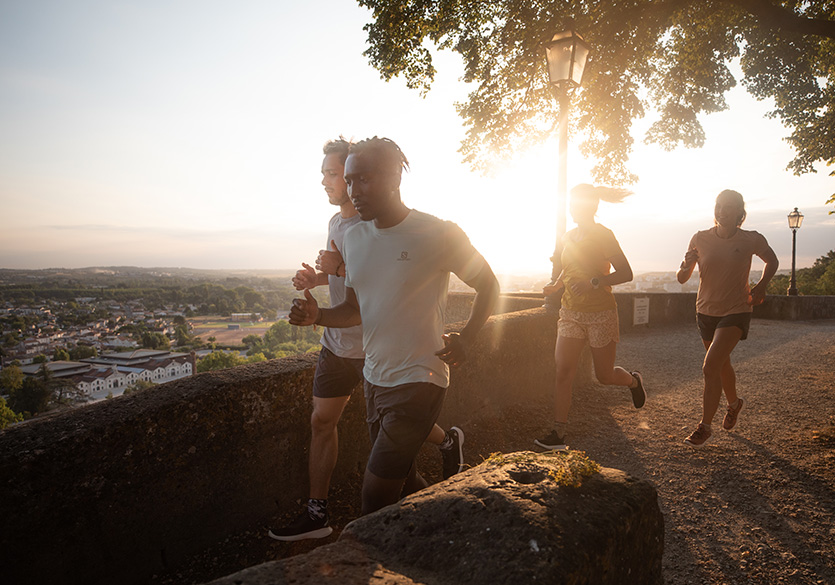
x,y
799,308
118,490
509,523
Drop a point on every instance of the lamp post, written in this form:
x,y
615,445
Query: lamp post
x,y
795,219
566,55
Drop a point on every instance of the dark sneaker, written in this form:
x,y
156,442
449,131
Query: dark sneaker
x,y
302,528
639,394
731,416
698,437
453,458
552,441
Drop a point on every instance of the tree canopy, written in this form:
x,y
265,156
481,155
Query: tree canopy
x,y
282,339
670,59
7,415
11,378
819,279
221,360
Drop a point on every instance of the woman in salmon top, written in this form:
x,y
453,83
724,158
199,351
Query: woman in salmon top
x,y
724,302
588,311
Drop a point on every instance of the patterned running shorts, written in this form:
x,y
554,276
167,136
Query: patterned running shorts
x,y
600,328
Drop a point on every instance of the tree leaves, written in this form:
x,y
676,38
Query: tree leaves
x,y
671,58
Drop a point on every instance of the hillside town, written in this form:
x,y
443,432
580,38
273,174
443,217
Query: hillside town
x,y
33,330
113,373
97,356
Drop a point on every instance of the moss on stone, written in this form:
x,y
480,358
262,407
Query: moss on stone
x,y
566,468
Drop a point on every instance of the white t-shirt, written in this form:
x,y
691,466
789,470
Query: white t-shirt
x,y
344,342
724,267
400,276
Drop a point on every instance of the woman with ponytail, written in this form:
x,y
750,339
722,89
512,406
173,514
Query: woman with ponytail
x,y
588,311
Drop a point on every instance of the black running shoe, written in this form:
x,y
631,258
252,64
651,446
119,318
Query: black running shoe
x,y
453,458
552,441
639,394
303,527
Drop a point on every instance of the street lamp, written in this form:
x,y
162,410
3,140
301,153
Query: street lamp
x,y
795,219
566,55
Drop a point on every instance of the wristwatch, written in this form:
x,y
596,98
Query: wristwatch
x,y
595,282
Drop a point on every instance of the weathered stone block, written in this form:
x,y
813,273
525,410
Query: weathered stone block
x,y
510,522
340,563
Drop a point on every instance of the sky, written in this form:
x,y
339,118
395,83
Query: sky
x,y
189,134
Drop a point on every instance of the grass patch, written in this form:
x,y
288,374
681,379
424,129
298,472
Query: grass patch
x,y
225,324
568,468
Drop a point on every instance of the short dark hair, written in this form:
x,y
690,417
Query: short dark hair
x,y
387,149
340,147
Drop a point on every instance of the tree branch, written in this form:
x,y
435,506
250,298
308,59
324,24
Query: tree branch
x,y
781,18
770,15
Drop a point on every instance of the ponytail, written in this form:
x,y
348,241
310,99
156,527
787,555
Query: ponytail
x,y
600,193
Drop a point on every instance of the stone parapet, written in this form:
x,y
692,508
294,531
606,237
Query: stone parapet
x,y
799,308
650,310
511,363
460,303
116,491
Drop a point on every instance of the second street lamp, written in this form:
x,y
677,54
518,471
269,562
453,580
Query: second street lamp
x,y
795,220
566,55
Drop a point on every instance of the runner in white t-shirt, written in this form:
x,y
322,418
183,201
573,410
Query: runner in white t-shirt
x,y
340,364
398,263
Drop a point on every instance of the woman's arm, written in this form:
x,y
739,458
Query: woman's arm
x,y
622,271
770,269
685,271
555,286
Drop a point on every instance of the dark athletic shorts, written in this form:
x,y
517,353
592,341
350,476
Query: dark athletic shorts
x,y
399,420
336,376
708,325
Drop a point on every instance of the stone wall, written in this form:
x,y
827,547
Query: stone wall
x,y
676,308
115,491
512,363
665,309
460,303
799,308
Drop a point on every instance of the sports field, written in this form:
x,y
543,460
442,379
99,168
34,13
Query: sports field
x,y
218,327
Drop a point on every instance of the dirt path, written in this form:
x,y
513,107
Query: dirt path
x,y
755,505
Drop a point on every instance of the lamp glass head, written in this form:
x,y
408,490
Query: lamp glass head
x,y
795,219
566,54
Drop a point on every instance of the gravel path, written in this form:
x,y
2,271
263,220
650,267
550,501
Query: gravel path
x,y
754,505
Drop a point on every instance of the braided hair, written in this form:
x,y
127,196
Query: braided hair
x,y
389,153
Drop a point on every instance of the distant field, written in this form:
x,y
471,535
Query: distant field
x,y
218,327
